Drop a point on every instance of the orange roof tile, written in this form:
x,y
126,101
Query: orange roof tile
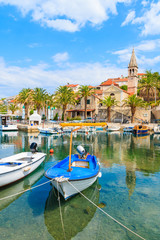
x,y
141,74
72,85
109,82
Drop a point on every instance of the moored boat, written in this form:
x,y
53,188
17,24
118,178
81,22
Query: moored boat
x,y
112,128
75,173
128,129
6,124
50,130
18,166
157,129
140,129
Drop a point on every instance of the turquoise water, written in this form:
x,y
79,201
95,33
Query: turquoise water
x,y
128,190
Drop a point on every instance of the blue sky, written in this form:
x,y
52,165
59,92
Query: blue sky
x,y
48,43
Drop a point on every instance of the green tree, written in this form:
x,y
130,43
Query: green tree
x,y
3,108
148,85
133,102
25,97
124,87
39,97
62,97
109,102
84,92
13,107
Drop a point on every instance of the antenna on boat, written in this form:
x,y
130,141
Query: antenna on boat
x,y
70,149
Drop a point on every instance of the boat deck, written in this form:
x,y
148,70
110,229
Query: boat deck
x,y
79,171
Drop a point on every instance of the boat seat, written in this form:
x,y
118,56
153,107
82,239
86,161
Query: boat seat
x,y
82,164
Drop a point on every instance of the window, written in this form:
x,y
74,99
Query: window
x,y
112,94
88,101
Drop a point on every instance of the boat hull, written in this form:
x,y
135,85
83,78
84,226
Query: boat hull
x,y
69,188
8,128
140,131
17,174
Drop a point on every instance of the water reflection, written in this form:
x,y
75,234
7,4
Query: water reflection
x,y
130,189
76,213
19,186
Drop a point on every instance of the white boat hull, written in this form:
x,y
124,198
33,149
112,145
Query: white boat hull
x,y
12,174
157,130
113,129
67,190
8,128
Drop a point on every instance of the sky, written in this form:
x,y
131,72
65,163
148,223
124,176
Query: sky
x,y
50,43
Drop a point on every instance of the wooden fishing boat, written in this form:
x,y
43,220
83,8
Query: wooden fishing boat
x,y
19,165
75,173
140,129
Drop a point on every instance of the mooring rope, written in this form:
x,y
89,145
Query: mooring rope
x,y
106,212
83,196
15,194
59,201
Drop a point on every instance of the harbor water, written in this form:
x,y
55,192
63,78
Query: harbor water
x,y
129,190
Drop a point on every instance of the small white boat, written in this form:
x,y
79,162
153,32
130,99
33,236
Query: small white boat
x,y
112,128
157,129
75,173
128,129
50,130
5,123
19,165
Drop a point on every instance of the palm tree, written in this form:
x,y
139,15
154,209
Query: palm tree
x,y
109,102
25,97
133,102
62,97
84,92
148,84
13,108
39,95
48,102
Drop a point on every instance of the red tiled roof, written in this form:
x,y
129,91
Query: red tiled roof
x,y
121,80
109,82
98,91
141,74
72,85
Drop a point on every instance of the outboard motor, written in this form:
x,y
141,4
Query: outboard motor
x,y
82,152
33,147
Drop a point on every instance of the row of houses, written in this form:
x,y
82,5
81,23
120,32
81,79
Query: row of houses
x,y
110,87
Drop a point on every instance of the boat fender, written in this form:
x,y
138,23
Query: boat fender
x,y
51,151
99,174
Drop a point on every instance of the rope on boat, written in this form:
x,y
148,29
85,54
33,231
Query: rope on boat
x,y
105,212
15,194
83,196
59,200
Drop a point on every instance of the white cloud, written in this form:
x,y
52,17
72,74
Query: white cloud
x,y
41,76
129,18
141,50
145,3
60,57
67,15
149,21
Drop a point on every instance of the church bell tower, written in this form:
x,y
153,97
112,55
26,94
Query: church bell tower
x,y
132,74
